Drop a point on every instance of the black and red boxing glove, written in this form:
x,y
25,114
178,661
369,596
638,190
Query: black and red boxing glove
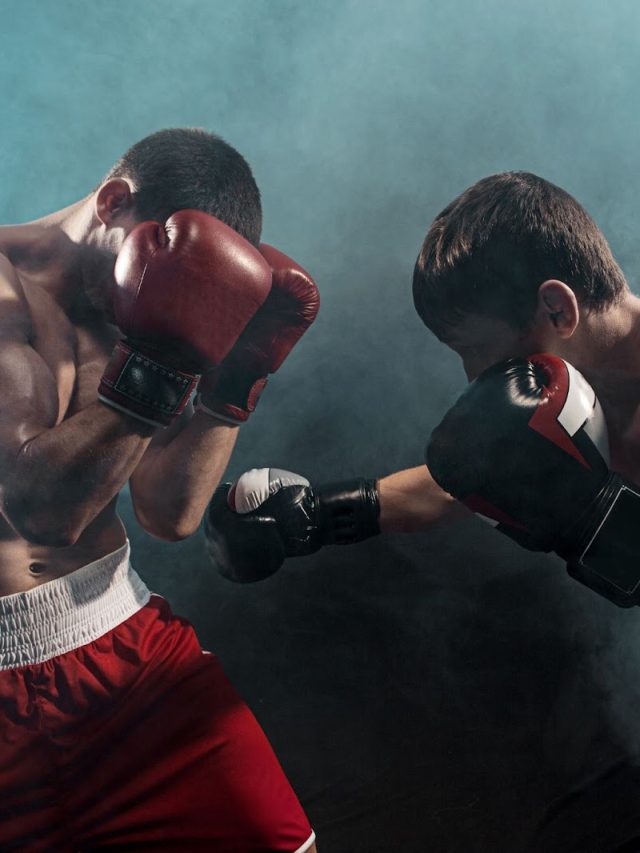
x,y
183,293
231,392
267,515
526,447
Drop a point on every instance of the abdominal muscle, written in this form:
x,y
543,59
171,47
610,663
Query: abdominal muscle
x,y
24,565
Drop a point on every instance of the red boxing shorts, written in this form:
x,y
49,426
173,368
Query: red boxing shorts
x,y
118,732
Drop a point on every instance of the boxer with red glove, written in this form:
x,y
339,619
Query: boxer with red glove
x,y
184,291
526,447
231,392
267,515
145,716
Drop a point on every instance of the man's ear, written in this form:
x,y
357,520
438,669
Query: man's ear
x,y
114,201
558,308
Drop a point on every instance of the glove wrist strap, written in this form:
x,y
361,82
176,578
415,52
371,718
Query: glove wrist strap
x,y
140,385
605,550
348,511
231,396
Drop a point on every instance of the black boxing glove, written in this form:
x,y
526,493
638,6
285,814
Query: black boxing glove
x,y
267,515
526,447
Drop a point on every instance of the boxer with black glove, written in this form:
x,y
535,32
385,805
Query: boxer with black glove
x,y
267,515
526,446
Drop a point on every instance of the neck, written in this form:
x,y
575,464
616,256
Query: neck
x,y
607,347
52,252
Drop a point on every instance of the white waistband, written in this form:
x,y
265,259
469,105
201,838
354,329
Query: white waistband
x,y
70,611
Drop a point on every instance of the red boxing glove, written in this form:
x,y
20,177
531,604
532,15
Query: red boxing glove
x,y
231,392
184,291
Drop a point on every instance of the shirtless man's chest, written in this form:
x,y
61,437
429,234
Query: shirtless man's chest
x,y
76,355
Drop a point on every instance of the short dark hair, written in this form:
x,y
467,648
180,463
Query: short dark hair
x,y
490,249
191,168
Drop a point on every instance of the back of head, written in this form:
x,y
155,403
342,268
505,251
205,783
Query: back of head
x,y
184,168
489,251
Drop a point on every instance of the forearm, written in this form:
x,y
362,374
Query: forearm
x,y
174,482
269,515
64,476
412,502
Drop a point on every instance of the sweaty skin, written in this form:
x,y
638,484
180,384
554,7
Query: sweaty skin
x,y
604,346
64,457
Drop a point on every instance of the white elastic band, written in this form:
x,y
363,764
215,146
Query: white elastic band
x,y
70,611
131,414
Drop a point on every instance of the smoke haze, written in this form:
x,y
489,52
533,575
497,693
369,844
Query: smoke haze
x,y
440,689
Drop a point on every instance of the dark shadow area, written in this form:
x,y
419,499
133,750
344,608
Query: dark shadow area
x,y
422,692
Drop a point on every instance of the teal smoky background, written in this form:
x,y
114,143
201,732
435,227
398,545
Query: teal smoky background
x,y
444,691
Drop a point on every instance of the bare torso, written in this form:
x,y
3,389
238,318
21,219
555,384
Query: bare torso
x,y
76,354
